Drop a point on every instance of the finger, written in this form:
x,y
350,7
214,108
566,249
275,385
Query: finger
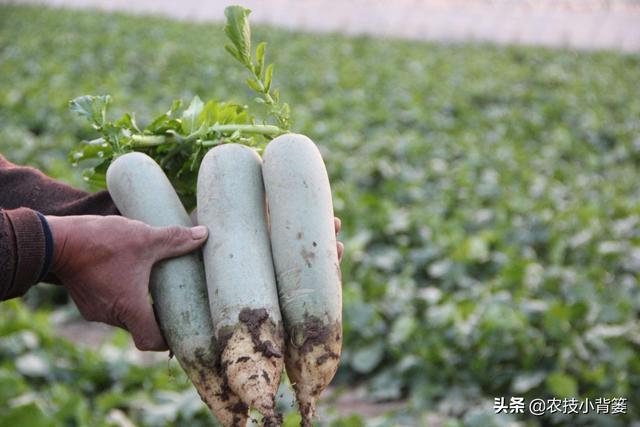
x,y
174,241
337,224
144,329
340,250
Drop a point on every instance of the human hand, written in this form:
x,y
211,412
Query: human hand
x,y
105,263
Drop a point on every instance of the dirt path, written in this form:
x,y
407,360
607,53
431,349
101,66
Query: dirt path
x,y
582,24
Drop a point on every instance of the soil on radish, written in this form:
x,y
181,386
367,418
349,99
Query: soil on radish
x,y
214,389
254,335
254,318
311,345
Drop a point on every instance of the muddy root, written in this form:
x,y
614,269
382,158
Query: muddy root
x,y
252,360
225,405
312,358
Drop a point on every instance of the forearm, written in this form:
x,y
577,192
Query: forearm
x,y
23,186
24,191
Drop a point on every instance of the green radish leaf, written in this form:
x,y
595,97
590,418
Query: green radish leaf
x,y
93,108
175,106
254,84
285,112
88,173
179,139
94,149
165,121
209,113
260,55
268,75
128,121
230,112
224,113
157,123
239,33
190,116
233,51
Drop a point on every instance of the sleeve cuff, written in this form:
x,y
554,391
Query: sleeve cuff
x,y
48,247
31,243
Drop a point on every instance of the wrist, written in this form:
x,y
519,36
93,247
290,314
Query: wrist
x,y
58,227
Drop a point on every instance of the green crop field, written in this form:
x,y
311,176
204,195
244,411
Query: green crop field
x,y
490,200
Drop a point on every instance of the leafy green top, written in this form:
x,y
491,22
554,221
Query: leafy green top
x,y
179,138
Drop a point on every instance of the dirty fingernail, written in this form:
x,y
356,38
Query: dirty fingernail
x,y
199,232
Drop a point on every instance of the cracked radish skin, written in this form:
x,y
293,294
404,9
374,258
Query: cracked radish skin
x,y
306,262
240,276
141,191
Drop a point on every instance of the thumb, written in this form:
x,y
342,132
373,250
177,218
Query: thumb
x,y
169,242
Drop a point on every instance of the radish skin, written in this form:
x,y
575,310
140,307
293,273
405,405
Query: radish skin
x,y
308,275
141,191
240,276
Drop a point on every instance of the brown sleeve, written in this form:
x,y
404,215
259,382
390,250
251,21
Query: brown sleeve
x,y
24,190
23,186
22,251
